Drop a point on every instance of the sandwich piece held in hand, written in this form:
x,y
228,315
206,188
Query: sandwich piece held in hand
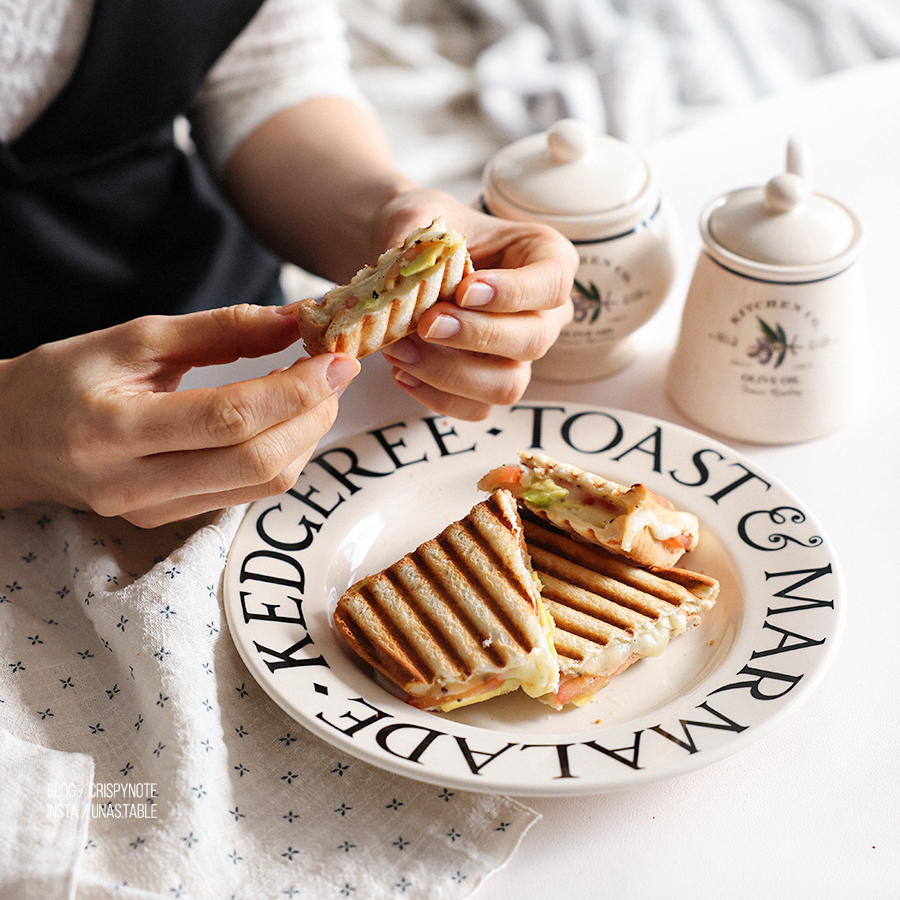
x,y
459,619
632,521
608,613
383,303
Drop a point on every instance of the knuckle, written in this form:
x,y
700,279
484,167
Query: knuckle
x,y
309,393
273,458
488,335
259,462
144,332
558,276
231,319
460,408
98,501
230,420
470,410
328,412
473,413
564,251
445,405
513,384
539,339
283,481
109,500
146,518
560,279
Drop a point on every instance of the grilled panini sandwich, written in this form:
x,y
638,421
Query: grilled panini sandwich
x,y
632,521
383,303
608,612
458,620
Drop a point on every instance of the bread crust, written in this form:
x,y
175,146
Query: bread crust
x,y
633,521
380,306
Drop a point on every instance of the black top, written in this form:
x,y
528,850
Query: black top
x,y
102,217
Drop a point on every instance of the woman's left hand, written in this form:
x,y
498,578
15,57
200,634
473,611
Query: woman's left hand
x,y
471,355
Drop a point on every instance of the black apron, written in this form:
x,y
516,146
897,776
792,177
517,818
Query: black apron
x,y
102,217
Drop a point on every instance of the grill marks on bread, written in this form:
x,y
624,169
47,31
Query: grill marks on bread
x,y
597,598
461,617
457,605
381,327
381,304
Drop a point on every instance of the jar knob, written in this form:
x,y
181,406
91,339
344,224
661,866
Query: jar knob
x,y
784,193
569,140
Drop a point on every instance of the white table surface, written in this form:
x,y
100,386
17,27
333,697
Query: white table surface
x,y
813,808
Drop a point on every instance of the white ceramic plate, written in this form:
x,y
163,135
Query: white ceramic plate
x,y
366,501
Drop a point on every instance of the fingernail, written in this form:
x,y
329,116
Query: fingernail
x,y
289,309
341,370
403,351
406,379
477,294
443,327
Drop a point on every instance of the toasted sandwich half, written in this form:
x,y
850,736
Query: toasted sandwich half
x,y
458,620
632,521
383,303
608,613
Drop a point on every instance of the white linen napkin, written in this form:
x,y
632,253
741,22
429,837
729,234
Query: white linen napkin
x,y
456,80
139,759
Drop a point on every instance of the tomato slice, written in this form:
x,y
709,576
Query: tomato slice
x,y
504,475
582,686
425,702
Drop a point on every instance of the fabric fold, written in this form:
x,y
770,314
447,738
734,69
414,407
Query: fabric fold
x,y
119,665
45,794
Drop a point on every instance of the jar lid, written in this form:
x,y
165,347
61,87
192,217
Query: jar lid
x,y
783,223
571,178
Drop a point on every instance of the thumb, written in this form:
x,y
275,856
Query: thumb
x,y
206,417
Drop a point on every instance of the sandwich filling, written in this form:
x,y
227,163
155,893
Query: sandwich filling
x,y
382,303
632,521
372,289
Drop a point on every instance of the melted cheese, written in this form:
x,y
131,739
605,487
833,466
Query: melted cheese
x,y
639,519
649,641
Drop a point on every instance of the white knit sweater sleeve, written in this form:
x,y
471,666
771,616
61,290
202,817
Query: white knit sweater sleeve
x,y
291,51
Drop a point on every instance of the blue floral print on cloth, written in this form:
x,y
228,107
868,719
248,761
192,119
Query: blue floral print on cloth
x,y
139,759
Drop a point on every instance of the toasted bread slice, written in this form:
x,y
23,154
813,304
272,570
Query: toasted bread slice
x,y
383,303
608,612
632,521
458,620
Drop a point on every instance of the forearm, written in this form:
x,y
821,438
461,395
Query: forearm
x,y
313,181
17,486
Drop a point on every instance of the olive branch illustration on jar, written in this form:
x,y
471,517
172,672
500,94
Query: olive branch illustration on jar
x,y
587,301
773,344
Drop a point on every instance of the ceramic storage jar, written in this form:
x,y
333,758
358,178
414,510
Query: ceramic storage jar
x,y
600,193
774,317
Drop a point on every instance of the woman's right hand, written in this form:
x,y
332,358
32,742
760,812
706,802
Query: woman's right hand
x,y
95,422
